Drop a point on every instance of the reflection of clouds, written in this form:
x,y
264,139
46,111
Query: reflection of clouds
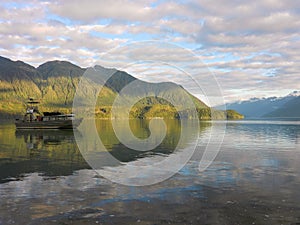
x,y
36,185
253,153
244,165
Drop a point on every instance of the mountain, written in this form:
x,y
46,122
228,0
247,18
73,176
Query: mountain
x,y
16,70
16,84
58,82
57,68
54,83
287,106
290,110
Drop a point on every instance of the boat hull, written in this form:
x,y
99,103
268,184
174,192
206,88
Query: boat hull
x,y
55,124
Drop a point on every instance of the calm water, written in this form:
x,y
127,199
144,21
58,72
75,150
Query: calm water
x,y
255,178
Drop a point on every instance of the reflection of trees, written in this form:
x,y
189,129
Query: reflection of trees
x,y
140,128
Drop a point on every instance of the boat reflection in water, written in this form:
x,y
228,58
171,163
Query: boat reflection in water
x,y
50,153
39,139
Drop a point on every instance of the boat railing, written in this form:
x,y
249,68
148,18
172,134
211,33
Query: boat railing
x,y
59,117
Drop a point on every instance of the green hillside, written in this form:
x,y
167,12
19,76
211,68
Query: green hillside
x,y
54,84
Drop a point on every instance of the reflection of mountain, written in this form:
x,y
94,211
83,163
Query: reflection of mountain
x,y
140,128
49,152
177,144
55,152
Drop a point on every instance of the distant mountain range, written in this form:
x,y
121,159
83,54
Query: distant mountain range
x,y
287,107
54,83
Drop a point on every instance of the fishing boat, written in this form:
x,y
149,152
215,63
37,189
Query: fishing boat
x,y
34,119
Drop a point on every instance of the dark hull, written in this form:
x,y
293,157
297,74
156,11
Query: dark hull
x,y
55,124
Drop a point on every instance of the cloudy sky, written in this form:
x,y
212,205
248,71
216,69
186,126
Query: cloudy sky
x,y
252,47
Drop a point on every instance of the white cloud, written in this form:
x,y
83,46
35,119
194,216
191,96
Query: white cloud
x,y
251,45
94,10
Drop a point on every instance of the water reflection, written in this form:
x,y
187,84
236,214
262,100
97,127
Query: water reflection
x,y
254,179
48,152
141,167
53,153
140,128
264,134
258,155
39,139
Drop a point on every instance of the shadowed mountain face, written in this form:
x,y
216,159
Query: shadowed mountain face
x,y
12,70
119,80
54,83
59,68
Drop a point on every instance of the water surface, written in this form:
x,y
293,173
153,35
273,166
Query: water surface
x,y
254,179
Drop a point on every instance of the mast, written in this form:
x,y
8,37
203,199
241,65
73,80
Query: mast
x,y
31,109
